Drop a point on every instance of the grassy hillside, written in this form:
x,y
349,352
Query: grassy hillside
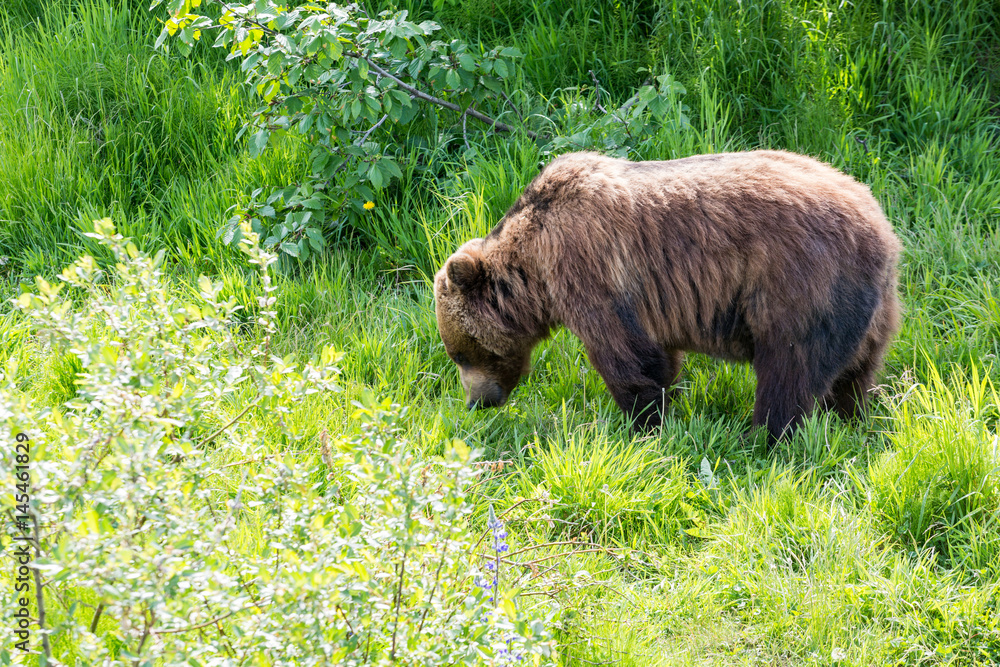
x,y
849,544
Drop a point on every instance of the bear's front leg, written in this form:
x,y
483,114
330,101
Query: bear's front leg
x,y
786,388
636,370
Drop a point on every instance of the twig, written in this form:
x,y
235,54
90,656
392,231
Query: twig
x,y
233,421
528,563
437,577
97,617
147,626
245,461
344,616
416,92
199,626
635,98
399,599
597,91
516,505
222,631
558,555
623,108
361,142
532,547
541,573
513,106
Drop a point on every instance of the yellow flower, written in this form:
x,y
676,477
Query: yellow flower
x,y
369,205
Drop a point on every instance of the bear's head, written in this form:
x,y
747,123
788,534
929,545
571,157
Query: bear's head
x,y
482,325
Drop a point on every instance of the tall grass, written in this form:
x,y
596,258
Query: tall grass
x,y
96,123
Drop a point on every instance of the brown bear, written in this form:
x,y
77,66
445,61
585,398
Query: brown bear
x,y
765,256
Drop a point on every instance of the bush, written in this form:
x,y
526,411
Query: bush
x,y
160,551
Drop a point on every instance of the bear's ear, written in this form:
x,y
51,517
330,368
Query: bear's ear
x,y
465,271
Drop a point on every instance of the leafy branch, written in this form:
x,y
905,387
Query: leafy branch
x,y
346,81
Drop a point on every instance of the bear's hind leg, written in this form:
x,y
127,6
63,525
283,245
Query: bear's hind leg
x,y
848,397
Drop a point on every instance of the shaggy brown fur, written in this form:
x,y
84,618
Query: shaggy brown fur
x,y
767,257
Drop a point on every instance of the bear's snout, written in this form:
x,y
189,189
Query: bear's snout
x,y
493,397
481,391
487,394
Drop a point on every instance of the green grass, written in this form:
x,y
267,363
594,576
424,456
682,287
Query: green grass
x,y
877,542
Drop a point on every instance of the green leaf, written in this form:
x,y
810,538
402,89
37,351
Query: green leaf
x,y
398,48
223,39
276,62
228,233
467,62
250,62
334,49
320,162
161,39
389,166
375,176
271,90
290,248
258,140
394,110
315,238
659,107
490,84
315,44
402,98
323,123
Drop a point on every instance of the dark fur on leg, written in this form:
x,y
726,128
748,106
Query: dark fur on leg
x,y
783,395
637,372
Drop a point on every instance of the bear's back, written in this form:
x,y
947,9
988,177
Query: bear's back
x,y
777,210
682,240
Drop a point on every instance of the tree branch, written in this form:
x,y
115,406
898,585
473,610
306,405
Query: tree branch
x,y
199,626
416,92
97,618
233,421
399,599
597,91
361,142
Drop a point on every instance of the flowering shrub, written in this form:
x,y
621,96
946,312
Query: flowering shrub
x,y
506,646
171,532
